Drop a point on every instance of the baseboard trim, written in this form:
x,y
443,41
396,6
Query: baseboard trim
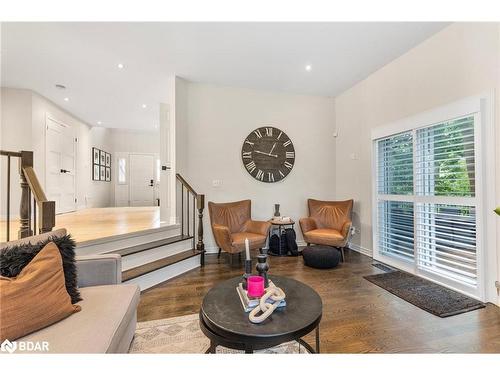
x,y
360,249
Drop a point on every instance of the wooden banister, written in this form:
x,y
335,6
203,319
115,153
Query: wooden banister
x,y
29,185
198,206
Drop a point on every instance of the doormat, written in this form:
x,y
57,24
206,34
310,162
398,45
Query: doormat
x,y
425,294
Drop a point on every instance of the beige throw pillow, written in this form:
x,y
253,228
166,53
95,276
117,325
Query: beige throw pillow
x,y
36,298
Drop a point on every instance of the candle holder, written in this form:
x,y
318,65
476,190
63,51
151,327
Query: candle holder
x,y
247,274
262,268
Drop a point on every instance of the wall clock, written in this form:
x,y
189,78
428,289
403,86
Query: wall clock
x,y
268,154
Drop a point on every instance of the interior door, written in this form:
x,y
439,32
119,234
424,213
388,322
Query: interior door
x,y
142,179
60,165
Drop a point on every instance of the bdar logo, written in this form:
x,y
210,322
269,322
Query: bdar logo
x,y
8,346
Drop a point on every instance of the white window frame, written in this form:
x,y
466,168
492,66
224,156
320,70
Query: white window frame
x,y
481,107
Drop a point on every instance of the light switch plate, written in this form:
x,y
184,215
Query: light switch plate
x,y
216,183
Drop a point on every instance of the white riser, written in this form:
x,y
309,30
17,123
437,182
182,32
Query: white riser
x,y
147,256
105,245
156,277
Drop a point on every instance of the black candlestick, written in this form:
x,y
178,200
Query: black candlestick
x,y
248,272
262,268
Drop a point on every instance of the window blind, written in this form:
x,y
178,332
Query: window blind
x,y
395,164
426,199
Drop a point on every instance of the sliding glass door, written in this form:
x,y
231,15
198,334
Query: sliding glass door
x,y
426,198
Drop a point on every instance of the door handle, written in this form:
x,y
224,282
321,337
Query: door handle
x,y
151,183
65,171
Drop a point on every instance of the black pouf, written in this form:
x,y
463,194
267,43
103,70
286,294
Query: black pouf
x,y
321,256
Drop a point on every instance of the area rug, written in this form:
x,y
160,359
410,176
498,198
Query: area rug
x,y
182,335
425,294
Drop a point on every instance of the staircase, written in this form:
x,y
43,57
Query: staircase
x,y
153,256
149,257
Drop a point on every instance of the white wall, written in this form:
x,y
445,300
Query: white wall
x,y
458,62
218,121
15,135
23,128
135,141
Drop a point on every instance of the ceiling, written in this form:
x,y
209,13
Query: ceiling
x,y
270,56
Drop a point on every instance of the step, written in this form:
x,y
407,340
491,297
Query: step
x,y
127,240
158,264
149,245
154,253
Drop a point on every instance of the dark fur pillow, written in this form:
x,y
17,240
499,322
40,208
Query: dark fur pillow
x,y
14,259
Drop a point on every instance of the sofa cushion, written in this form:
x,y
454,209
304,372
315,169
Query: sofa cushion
x,y
107,311
17,254
36,297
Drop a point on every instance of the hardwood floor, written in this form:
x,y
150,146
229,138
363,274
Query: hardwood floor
x,y
358,316
92,223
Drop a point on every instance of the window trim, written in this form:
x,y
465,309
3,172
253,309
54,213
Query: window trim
x,y
484,141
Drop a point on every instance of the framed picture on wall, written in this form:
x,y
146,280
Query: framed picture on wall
x,y
102,158
108,160
96,173
95,155
108,174
102,173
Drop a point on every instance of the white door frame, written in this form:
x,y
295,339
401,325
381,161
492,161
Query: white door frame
x,y
48,116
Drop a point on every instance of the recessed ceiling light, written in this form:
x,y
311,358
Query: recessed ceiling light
x,y
66,99
144,106
309,67
99,122
60,87
120,66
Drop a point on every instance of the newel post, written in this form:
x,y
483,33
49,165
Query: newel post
x,y
25,161
200,205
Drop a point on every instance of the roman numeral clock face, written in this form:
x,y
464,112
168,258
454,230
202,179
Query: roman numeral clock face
x,y
268,154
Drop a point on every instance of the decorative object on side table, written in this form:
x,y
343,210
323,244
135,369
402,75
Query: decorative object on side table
x,y
277,210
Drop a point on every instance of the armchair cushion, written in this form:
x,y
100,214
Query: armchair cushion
x,y
258,227
256,240
330,237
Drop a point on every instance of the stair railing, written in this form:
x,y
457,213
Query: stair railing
x,y
192,205
30,222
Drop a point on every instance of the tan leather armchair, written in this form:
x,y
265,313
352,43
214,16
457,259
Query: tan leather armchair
x,y
231,224
329,223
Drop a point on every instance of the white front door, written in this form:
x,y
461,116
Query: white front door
x,y
60,170
142,179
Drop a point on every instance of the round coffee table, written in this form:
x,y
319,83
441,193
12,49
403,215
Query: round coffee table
x,y
224,322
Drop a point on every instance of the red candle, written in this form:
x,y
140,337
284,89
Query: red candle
x,y
255,286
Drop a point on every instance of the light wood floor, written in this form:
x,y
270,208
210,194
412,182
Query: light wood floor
x,y
358,316
92,223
